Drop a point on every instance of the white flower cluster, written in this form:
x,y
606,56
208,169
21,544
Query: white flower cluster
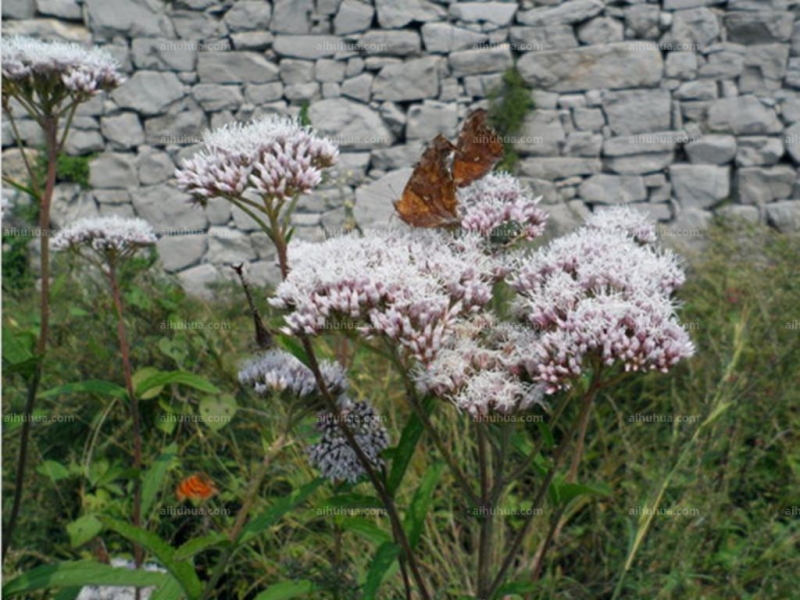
x,y
499,201
36,63
277,370
333,456
599,291
106,235
275,157
94,592
409,286
625,219
479,368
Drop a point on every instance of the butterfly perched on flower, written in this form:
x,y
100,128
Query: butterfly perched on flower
x,y
195,487
429,198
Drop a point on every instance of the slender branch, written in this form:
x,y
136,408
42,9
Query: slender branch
x,y
487,521
124,348
538,500
433,433
20,144
241,517
50,126
72,110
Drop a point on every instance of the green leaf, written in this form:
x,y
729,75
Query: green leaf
x,y
384,558
201,544
544,430
163,378
154,477
18,346
352,501
564,493
183,572
367,529
274,513
421,503
83,529
171,590
286,590
80,573
217,411
515,587
92,386
142,375
409,439
54,470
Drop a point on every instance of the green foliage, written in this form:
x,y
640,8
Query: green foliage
x,y
69,169
739,478
509,104
303,117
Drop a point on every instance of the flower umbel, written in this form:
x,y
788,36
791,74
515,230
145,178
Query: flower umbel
x,y
275,157
277,370
602,290
56,68
111,237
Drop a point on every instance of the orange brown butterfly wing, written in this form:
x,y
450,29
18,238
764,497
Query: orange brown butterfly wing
x,y
477,150
429,198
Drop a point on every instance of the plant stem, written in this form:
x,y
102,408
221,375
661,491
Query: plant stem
x,y
487,521
241,517
539,499
124,348
50,127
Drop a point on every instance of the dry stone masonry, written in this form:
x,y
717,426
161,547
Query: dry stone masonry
x,y
682,108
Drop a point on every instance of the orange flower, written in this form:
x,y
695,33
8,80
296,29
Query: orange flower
x,y
195,487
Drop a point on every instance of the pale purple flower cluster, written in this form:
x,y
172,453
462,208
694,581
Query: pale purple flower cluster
x,y
409,286
625,219
598,291
497,202
277,370
333,456
275,157
480,368
36,64
106,235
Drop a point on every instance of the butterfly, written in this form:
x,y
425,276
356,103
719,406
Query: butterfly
x,y
429,198
195,487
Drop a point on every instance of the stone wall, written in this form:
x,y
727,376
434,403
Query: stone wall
x,y
681,107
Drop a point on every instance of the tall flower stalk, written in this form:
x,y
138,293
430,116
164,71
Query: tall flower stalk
x,y
48,81
107,243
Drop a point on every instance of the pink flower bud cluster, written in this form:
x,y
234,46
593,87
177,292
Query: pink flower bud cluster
x,y
37,64
479,369
408,286
498,201
599,291
274,157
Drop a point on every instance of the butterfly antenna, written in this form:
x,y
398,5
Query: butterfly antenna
x,y
263,337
